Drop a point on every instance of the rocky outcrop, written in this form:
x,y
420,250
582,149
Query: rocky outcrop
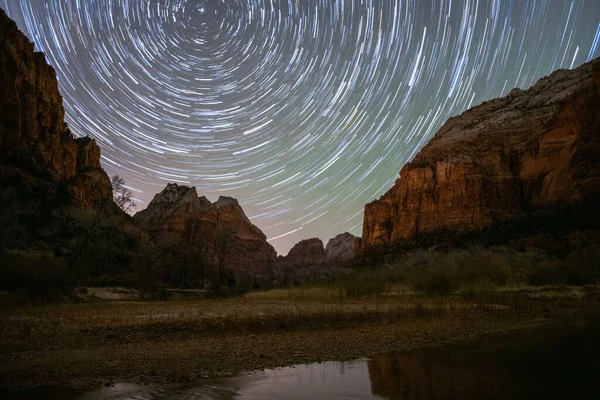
x,y
532,151
342,248
173,214
34,138
311,253
308,252
178,216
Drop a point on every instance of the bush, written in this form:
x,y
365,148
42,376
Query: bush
x,y
437,281
127,280
481,292
583,266
484,266
545,273
37,275
152,290
364,285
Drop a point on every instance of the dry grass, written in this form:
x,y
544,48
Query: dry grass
x,y
279,309
326,293
400,289
99,342
295,294
291,309
311,308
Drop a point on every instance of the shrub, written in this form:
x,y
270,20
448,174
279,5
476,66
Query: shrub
x,y
545,273
437,281
480,292
37,275
364,285
583,266
127,280
484,266
152,290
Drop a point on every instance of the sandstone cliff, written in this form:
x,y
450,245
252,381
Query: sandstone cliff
x,y
35,142
532,151
308,252
178,216
342,248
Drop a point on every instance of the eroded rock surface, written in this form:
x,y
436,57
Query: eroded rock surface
x,y
343,247
35,143
178,215
308,252
531,151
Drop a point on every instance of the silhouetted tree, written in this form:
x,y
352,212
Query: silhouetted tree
x,y
222,246
123,197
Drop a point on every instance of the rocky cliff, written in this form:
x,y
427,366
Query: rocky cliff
x,y
177,215
308,252
34,139
312,253
342,248
530,152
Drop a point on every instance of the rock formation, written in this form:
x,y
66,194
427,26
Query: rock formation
x,y
308,252
35,142
532,151
178,215
342,248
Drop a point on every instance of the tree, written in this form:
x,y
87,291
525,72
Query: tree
x,y
98,238
223,245
123,197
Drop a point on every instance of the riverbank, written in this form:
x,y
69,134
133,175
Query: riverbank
x,y
86,345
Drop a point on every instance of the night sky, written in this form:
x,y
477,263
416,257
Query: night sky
x,y
303,110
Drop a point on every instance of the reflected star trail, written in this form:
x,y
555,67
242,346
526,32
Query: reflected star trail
x,y
304,110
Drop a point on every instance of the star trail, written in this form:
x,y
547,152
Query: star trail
x,y
304,110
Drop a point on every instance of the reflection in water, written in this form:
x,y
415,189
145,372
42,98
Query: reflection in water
x,y
331,380
544,364
557,363
437,375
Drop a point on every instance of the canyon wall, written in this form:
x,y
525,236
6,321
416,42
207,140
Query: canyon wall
x,y
530,152
35,142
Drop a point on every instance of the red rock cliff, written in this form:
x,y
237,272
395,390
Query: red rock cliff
x,y
32,126
531,151
178,215
308,252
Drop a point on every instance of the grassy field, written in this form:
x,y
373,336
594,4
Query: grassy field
x,y
310,307
280,309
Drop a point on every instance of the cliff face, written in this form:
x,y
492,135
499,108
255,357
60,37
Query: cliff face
x,y
343,247
178,215
308,252
32,127
531,151
312,253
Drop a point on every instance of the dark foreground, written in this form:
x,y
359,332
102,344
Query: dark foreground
x,y
554,361
194,346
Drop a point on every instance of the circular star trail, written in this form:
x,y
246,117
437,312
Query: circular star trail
x,y
304,110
